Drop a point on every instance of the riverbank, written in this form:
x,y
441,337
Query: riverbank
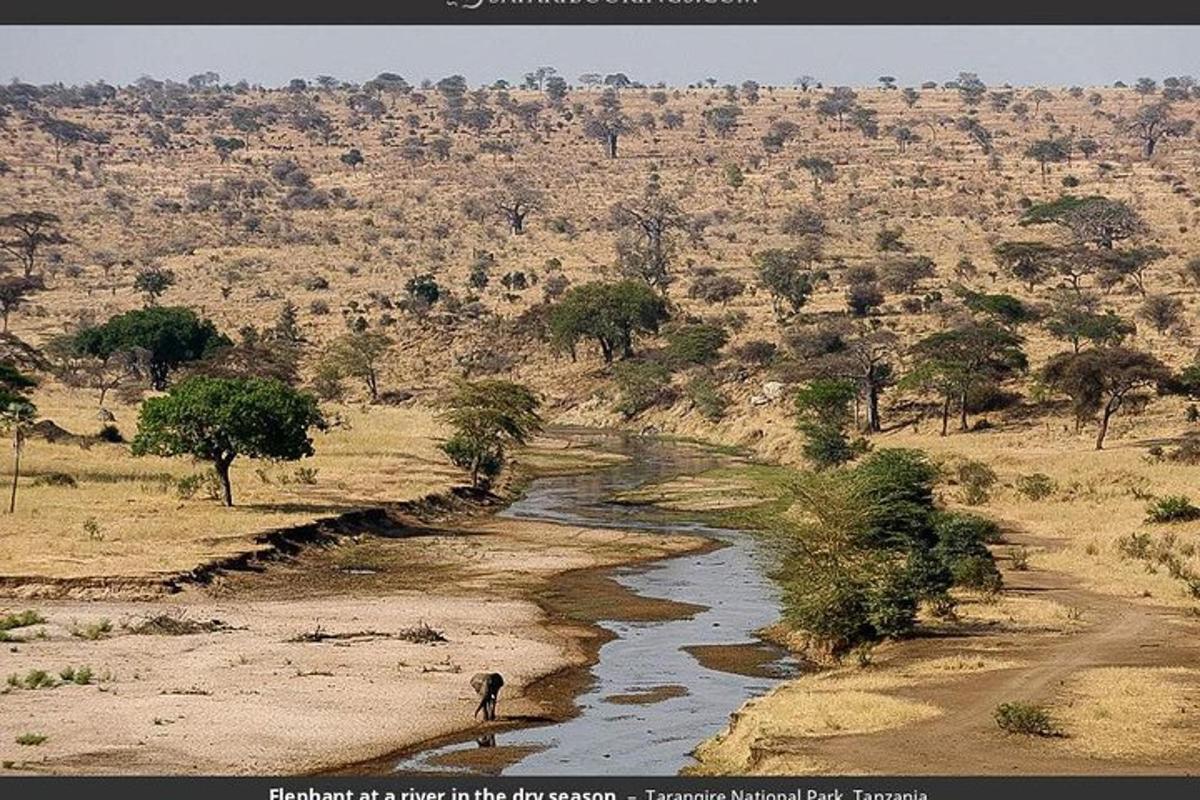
x,y
336,657
346,650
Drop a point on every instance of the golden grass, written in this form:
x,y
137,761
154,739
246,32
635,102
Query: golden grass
x,y
1131,713
126,518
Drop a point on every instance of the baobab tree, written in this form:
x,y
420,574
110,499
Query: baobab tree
x,y
653,219
515,196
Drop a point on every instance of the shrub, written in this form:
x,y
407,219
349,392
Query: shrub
x,y
1174,508
695,344
642,385
708,399
60,479
961,547
1037,486
976,479
1026,719
21,619
31,739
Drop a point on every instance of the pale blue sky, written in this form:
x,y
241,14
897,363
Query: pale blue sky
x,y
1022,55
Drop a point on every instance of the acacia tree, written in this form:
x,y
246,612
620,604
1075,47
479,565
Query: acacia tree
x,y
1048,151
14,291
959,360
16,413
29,231
787,277
358,355
862,355
1031,263
610,313
218,419
488,416
1153,123
1075,319
1104,380
1092,220
1129,264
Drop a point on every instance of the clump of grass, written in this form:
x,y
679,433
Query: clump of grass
x,y
1174,508
1019,558
59,479
81,676
34,679
31,739
1026,719
21,619
92,631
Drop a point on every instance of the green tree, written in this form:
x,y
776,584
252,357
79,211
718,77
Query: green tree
x,y
1075,319
822,414
787,276
1093,220
488,416
16,413
153,282
959,360
171,335
611,313
358,355
218,419
1031,263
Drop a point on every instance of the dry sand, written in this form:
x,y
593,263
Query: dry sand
x,y
254,700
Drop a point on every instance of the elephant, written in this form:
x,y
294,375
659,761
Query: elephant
x,y
487,686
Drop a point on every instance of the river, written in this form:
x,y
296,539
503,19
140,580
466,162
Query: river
x,y
651,700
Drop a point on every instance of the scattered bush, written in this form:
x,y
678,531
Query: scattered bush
x,y
976,479
1036,486
1025,719
1174,508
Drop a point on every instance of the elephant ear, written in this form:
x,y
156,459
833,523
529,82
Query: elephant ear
x,y
478,681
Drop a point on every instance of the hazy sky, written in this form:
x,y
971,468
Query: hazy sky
x,y
1087,55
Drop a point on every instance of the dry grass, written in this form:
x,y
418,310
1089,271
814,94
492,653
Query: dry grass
x,y
126,518
1132,713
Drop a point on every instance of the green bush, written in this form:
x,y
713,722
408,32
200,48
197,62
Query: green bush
x,y
20,619
1174,508
642,384
1026,719
1037,486
695,344
708,399
961,547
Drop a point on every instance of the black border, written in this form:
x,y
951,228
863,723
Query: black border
x,y
601,12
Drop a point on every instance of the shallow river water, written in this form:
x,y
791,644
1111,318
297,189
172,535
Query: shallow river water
x,y
648,660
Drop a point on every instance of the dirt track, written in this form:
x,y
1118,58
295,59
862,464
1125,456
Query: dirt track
x,y
964,738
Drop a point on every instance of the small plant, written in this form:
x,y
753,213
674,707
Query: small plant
x,y
93,631
1026,719
305,475
80,677
1174,508
1135,545
92,528
1037,486
1019,558
31,739
38,679
21,619
977,480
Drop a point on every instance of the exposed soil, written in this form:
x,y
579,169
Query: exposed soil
x,y
963,738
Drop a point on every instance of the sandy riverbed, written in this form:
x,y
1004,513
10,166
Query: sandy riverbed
x,y
258,697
